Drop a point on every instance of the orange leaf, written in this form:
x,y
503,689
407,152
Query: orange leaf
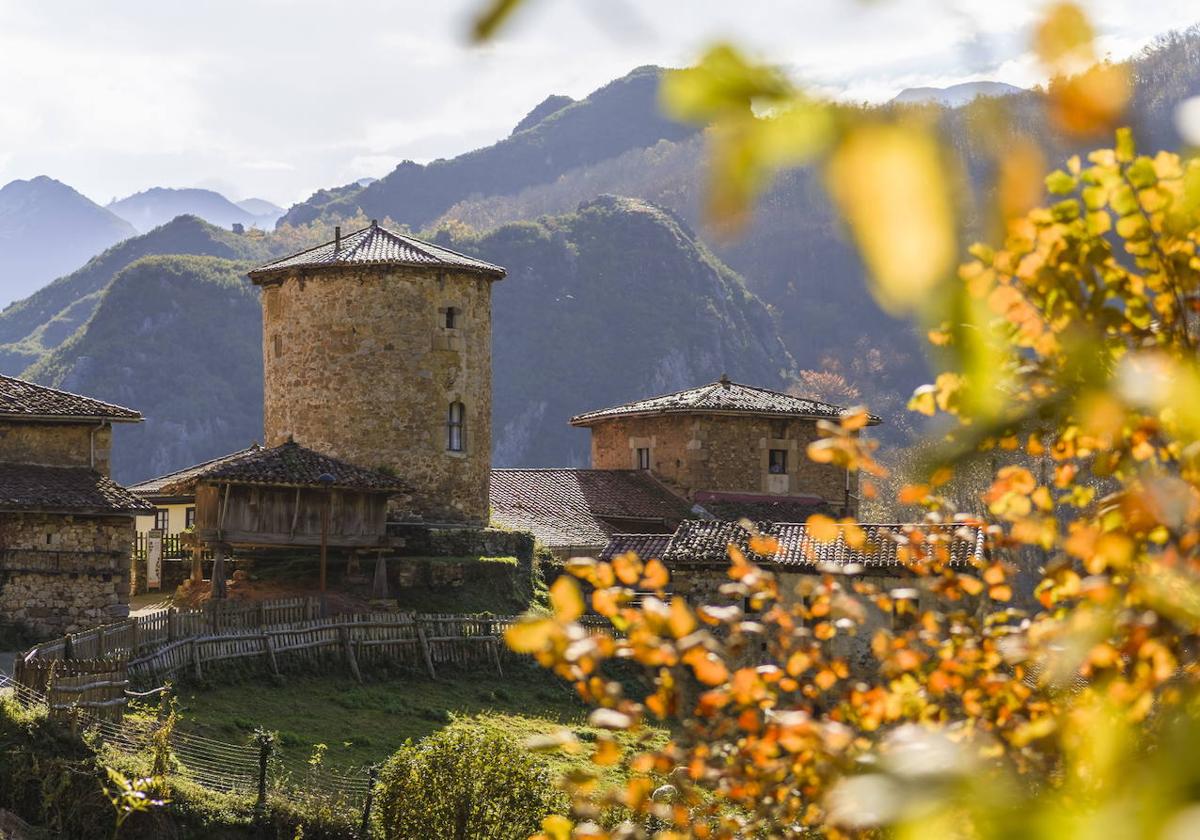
x,y
821,528
628,568
530,635
655,575
681,621
607,752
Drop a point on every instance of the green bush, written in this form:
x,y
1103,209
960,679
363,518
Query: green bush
x,y
461,784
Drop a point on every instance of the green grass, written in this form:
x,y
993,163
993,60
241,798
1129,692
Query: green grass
x,y
364,724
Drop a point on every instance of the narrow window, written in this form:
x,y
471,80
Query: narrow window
x,y
451,317
454,428
278,345
162,518
643,459
189,517
777,464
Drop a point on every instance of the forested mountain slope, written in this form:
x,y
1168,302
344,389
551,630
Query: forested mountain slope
x,y
615,301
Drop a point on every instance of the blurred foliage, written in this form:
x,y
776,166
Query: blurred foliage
x,y
1055,704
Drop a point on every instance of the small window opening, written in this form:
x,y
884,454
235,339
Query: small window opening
x,y
451,318
643,458
779,429
162,519
454,427
777,463
189,517
278,345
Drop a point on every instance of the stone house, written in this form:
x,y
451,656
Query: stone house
x,y
728,447
377,350
66,528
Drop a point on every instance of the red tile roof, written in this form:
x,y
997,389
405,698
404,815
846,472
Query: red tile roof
x,y
74,490
886,545
720,397
24,400
577,508
374,245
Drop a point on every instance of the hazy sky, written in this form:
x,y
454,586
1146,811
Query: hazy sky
x,y
276,98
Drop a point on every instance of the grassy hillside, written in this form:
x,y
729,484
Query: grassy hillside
x,y
180,339
615,301
32,327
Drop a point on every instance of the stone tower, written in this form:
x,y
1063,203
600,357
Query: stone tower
x,y
377,349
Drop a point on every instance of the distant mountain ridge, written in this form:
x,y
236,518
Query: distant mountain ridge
x,y
559,136
150,208
955,96
48,229
41,322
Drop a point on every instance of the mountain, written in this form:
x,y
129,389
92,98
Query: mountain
x,y
149,209
180,338
620,116
262,208
46,230
614,301
41,322
954,96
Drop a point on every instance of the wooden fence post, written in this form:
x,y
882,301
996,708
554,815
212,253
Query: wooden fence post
x,y
364,830
264,757
348,650
172,630
196,660
425,648
269,650
133,637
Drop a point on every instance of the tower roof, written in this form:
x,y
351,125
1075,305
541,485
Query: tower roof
x,y
720,397
374,245
26,401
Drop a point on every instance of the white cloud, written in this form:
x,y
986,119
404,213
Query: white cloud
x,y
282,97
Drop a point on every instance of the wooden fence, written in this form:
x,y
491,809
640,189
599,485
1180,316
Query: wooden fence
x,y
272,635
93,685
173,547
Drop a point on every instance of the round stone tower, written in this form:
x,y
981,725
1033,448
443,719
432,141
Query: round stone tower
x,y
377,350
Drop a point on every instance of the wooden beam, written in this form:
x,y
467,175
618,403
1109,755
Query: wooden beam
x,y
296,513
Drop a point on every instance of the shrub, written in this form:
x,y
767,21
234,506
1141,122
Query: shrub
x,y
459,784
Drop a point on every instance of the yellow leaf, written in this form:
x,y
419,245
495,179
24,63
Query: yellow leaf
x,y
566,599
530,635
1063,40
890,183
628,568
557,827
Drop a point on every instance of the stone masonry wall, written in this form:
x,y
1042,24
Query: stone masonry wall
x,y
60,574
358,363
694,452
55,444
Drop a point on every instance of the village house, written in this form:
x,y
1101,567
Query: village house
x,y
726,444
722,451
66,529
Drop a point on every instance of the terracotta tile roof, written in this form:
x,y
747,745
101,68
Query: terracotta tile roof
x,y
645,546
153,487
288,465
575,508
885,545
374,245
21,399
720,397
75,490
